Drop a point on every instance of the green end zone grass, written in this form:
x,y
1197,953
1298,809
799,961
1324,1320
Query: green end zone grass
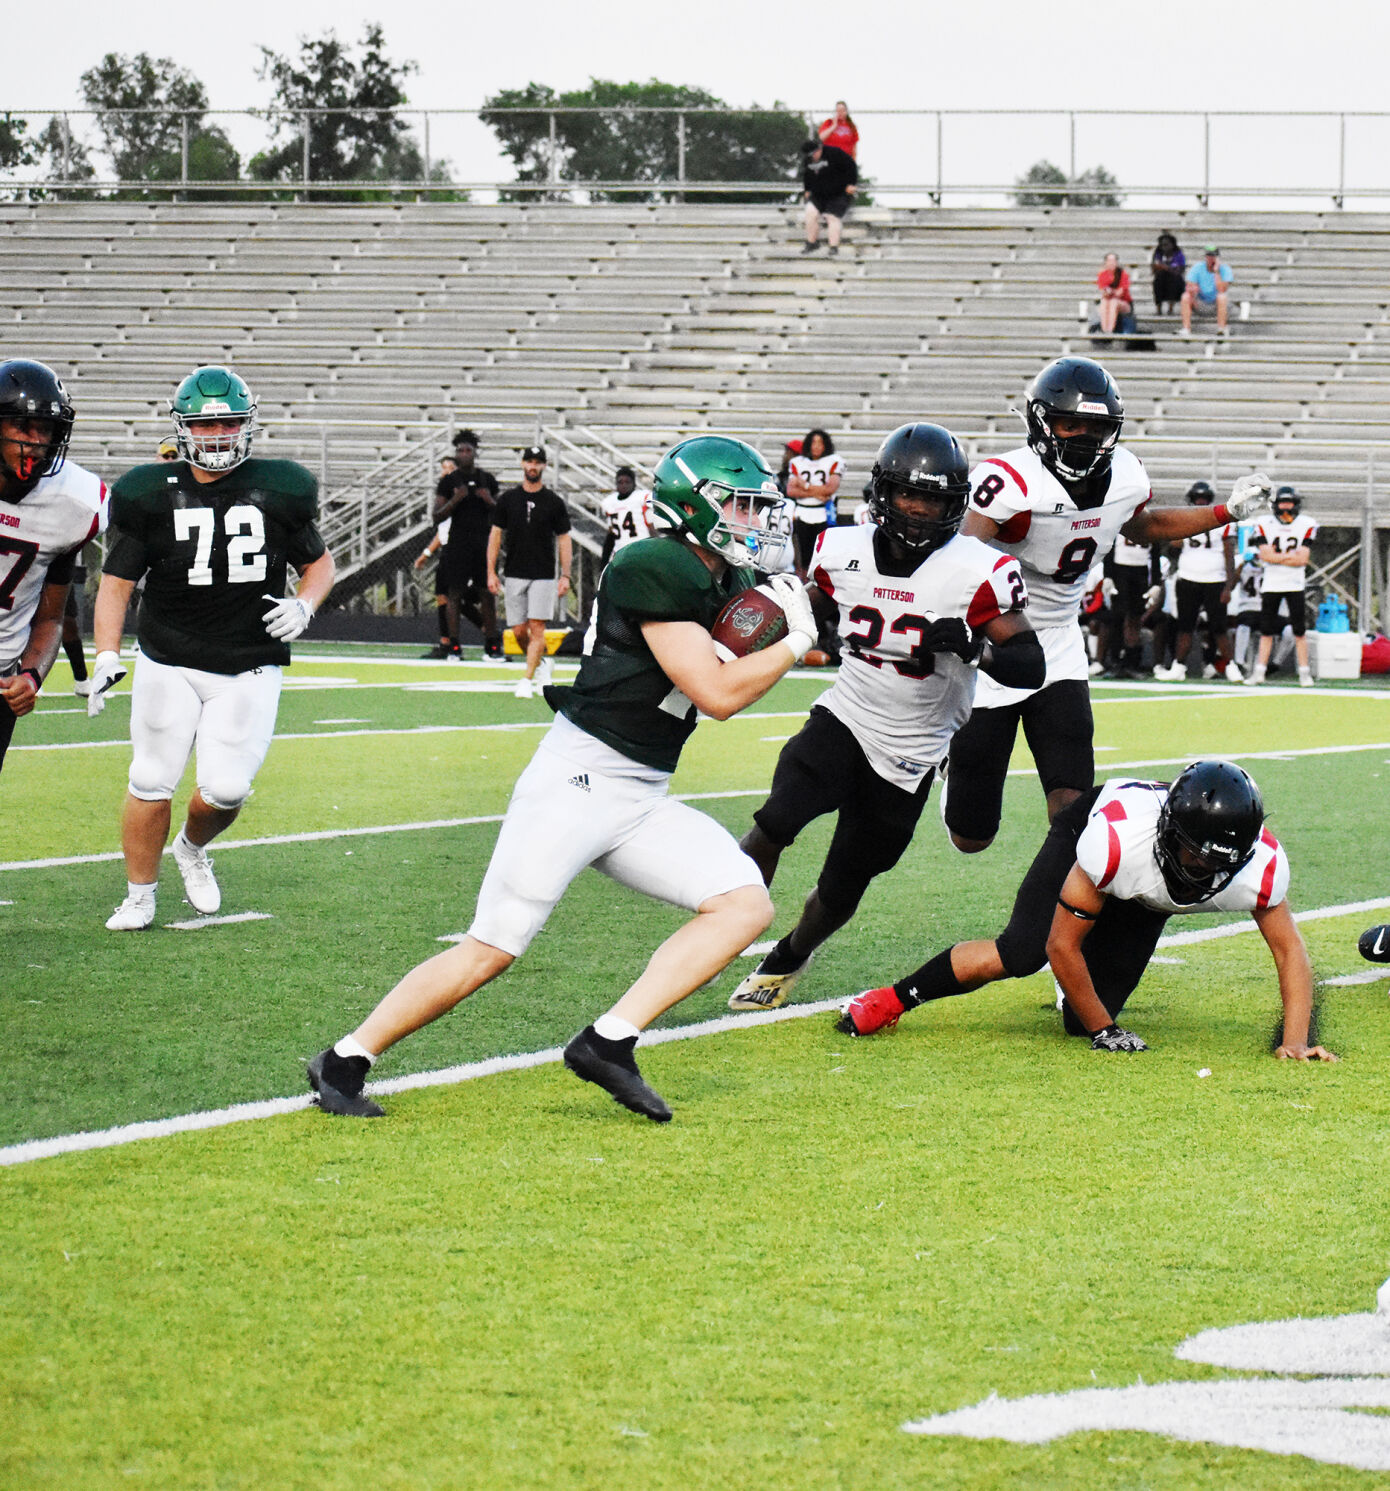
x,y
512,1283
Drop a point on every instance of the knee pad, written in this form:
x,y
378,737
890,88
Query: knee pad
x,y
226,794
1022,950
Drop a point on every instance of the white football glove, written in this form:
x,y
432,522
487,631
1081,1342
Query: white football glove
x,y
287,619
1250,496
796,604
1152,596
109,672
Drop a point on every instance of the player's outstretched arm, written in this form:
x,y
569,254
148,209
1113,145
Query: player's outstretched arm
x,y
1290,953
1078,906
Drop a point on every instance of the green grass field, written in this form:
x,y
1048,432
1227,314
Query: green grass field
x,y
512,1283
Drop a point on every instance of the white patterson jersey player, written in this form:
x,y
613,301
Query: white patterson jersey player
x,y
53,520
1202,558
901,703
1284,538
629,518
1116,851
1132,555
815,474
1056,542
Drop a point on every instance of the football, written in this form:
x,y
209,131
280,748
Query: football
x,y
754,619
1374,944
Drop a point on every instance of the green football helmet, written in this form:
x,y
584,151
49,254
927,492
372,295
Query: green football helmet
x,y
722,495
214,393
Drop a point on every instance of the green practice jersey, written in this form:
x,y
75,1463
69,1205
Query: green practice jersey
x,y
621,696
211,552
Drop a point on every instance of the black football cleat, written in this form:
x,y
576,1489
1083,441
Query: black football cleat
x,y
610,1065
338,1081
1374,944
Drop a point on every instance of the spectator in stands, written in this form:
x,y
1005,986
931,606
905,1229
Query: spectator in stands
x,y
1168,266
790,449
535,524
628,513
829,181
1116,302
840,131
167,449
812,485
448,645
466,499
1205,294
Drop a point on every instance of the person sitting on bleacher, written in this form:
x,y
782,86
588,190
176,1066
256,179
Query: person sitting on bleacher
x,y
829,180
1116,302
1168,266
1206,291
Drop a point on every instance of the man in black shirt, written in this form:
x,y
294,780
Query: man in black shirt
x,y
535,522
466,499
829,182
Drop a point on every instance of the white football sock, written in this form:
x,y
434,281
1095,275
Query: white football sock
x,y
351,1046
611,1028
141,892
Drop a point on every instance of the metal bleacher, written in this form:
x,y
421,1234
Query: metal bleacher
x,y
369,331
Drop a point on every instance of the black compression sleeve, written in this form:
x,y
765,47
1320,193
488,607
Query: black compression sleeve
x,y
1017,662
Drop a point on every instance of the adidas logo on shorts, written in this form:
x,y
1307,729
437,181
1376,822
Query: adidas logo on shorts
x,y
581,781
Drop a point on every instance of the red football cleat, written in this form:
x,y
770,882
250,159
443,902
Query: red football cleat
x,y
871,1011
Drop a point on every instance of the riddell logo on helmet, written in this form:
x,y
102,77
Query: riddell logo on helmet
x,y
215,406
1088,406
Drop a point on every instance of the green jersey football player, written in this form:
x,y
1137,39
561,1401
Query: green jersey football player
x,y
595,792
213,535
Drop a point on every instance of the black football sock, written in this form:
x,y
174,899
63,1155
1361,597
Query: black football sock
x,y
935,979
77,659
443,613
782,959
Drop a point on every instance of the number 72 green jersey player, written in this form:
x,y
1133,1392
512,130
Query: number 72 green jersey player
x,y
213,535
595,792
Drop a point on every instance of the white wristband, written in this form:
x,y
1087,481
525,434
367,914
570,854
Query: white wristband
x,y
800,644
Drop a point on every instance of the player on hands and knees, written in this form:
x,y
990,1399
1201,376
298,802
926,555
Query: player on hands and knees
x,y
595,793
1116,864
213,534
49,508
920,610
1056,504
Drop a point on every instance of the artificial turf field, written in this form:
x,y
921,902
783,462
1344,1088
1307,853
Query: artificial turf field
x,y
512,1283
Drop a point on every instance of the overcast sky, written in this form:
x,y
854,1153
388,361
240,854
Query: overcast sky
x,y
876,54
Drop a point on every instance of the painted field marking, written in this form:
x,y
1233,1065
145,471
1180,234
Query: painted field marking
x,y
160,1128
198,923
1345,982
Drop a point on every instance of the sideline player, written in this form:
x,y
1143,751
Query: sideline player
x,y
1057,503
49,508
595,792
1115,865
813,479
1284,543
628,513
920,609
1206,580
213,535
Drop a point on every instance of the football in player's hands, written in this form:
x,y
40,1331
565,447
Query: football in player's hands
x,y
754,619
952,634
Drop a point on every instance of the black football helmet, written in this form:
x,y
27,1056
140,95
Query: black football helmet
x,y
1200,494
1213,811
1081,388
920,460
1287,504
33,391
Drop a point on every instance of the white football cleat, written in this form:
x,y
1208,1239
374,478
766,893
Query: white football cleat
x,y
83,688
199,885
545,672
766,991
134,914
1305,678
524,689
1209,671
1233,673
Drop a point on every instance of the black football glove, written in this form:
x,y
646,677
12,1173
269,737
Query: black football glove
x,y
1116,1038
952,634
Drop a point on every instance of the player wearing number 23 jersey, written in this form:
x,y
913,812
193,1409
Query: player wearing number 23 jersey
x,y
1058,504
213,536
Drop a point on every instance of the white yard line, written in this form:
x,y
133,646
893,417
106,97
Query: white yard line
x,y
162,1128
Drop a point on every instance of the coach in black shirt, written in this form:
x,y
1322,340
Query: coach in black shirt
x,y
829,180
534,523
465,498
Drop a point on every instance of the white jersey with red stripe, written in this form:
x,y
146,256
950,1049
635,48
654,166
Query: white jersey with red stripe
x,y
53,520
1284,538
1054,540
1116,853
902,703
815,473
629,518
1202,558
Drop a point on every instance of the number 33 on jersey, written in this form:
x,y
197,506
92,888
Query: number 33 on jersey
x,y
208,552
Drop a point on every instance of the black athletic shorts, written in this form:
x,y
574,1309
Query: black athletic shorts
x,y
1196,596
834,206
823,769
1119,945
1131,585
1271,623
1059,729
462,569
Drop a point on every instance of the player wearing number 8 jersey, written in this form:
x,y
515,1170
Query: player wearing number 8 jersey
x,y
1056,504
213,535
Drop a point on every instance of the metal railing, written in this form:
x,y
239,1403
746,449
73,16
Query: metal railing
x,y
1295,156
